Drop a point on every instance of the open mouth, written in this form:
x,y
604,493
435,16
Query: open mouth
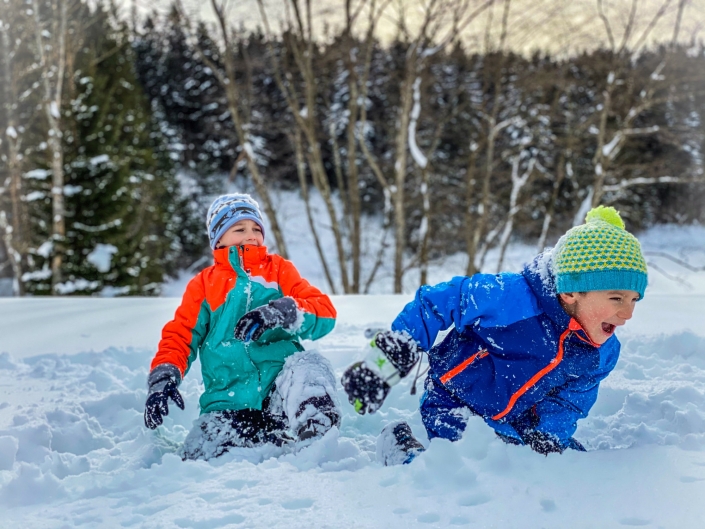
x,y
608,328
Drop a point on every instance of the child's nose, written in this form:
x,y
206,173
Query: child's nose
x,y
627,312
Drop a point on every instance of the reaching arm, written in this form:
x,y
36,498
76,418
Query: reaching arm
x,y
182,337
483,299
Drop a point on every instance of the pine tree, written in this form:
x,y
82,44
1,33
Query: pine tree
x,y
120,189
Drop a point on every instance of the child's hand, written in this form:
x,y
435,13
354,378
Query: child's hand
x,y
162,386
280,312
366,390
400,348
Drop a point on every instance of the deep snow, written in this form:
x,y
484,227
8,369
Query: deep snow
x,y
74,451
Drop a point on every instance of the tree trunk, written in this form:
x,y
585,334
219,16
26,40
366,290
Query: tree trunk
x,y
13,231
301,171
551,208
400,171
53,72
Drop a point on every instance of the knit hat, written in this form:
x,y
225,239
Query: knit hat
x,y
599,255
227,210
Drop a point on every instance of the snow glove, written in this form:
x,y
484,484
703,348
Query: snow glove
x,y
391,356
162,382
541,442
280,312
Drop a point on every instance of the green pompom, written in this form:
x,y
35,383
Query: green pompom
x,y
606,214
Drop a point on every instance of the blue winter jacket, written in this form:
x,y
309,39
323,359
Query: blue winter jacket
x,y
514,351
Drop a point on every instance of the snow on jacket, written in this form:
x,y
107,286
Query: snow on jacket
x,y
236,374
513,349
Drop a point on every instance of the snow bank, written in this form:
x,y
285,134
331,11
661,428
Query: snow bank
x,y
74,451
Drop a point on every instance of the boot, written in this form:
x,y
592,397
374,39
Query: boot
x,y
396,445
322,416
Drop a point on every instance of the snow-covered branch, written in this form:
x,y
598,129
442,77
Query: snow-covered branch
x,y
416,153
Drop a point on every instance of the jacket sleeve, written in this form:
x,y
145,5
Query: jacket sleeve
x,y
182,337
316,312
483,299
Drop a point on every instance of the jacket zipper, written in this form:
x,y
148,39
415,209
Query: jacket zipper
x,y
248,303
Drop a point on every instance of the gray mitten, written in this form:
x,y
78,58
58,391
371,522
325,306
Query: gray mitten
x,y
280,312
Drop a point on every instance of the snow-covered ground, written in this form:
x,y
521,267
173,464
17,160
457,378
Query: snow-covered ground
x,y
74,451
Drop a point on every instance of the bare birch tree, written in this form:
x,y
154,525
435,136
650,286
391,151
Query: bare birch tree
x,y
238,115
441,22
518,183
51,33
477,214
12,208
609,143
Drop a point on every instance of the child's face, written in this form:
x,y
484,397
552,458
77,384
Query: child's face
x,y
600,312
242,232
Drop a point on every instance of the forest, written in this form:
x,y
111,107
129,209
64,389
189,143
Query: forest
x,y
118,130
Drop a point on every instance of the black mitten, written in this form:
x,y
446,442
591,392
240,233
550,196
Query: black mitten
x,y
366,390
280,312
543,443
400,348
163,381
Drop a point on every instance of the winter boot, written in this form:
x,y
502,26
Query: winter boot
x,y
322,415
396,445
305,394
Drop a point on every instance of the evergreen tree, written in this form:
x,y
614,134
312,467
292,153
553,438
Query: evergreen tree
x,y
120,191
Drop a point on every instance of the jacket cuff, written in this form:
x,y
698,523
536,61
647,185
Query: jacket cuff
x,y
160,375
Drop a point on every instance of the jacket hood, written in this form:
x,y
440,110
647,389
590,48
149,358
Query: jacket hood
x,y
539,275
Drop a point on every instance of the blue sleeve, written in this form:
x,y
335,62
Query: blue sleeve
x,y
560,411
483,299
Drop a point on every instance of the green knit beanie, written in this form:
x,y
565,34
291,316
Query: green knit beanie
x,y
599,255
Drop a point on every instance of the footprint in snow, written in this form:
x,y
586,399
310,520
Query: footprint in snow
x,y
302,503
429,517
238,484
634,521
548,505
209,523
471,500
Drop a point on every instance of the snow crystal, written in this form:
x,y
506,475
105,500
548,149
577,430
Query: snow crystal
x,y
11,132
101,256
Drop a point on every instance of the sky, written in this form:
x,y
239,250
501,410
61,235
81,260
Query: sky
x,y
557,26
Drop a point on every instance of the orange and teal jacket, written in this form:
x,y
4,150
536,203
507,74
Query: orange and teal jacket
x,y
236,374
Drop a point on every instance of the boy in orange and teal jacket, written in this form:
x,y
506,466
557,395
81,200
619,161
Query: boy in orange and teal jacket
x,y
245,317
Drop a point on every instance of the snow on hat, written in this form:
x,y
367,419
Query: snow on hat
x,y
599,255
227,210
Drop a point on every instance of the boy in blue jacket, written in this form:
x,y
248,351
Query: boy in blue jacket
x,y
528,350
